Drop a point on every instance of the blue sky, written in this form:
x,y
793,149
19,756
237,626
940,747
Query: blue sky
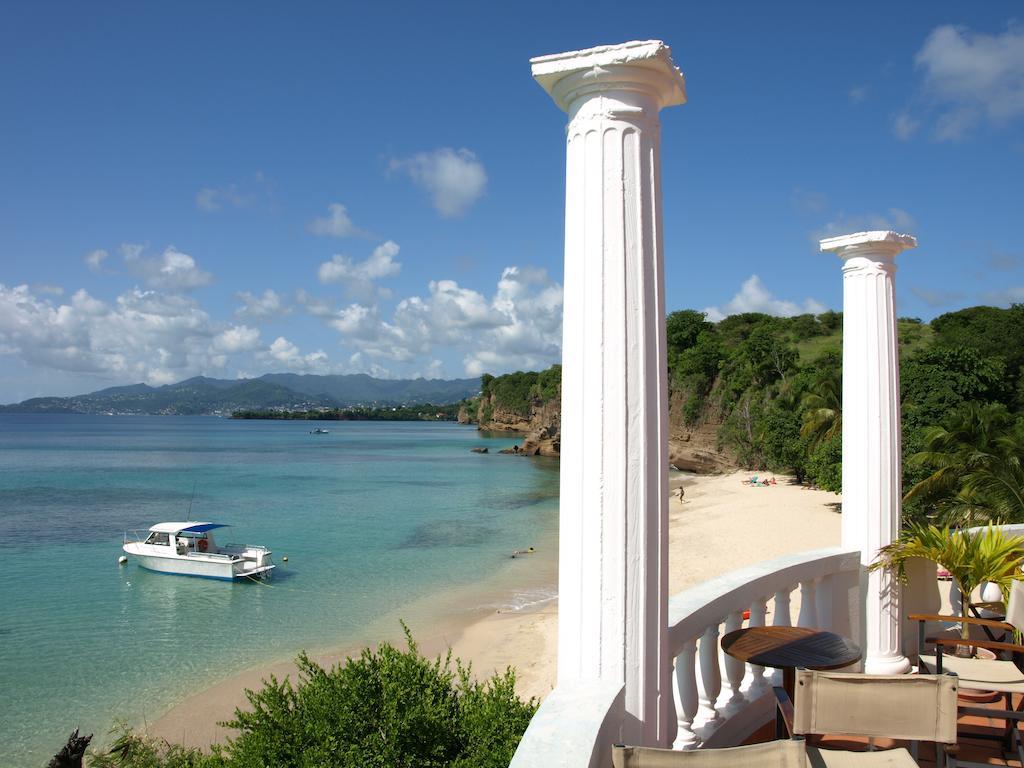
x,y
229,189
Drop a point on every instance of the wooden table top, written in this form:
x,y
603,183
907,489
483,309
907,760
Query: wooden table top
x,y
783,647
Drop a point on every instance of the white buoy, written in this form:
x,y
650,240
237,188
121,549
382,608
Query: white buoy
x,y
284,559
122,560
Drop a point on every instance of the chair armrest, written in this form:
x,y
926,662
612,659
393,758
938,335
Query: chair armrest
x,y
993,646
997,605
785,708
966,619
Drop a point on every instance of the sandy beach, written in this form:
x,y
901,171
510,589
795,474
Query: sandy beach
x,y
720,525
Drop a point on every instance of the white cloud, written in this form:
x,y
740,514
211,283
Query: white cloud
x,y
94,259
905,126
360,276
172,270
455,179
517,327
857,94
48,288
268,305
237,338
284,355
753,296
971,78
1005,297
808,200
336,224
252,192
142,336
937,298
1004,262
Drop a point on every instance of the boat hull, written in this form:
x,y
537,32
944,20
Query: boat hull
x,y
220,567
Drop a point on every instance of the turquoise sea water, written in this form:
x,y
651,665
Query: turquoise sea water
x,y
379,520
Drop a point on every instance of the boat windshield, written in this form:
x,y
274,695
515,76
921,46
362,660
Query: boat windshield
x,y
159,537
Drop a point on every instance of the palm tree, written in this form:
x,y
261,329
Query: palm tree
x,y
975,458
823,407
971,557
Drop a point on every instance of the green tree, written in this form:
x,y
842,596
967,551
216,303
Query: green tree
x,y
825,464
974,464
938,379
683,327
769,355
823,403
831,320
785,449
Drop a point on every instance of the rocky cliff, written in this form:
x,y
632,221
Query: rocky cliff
x,y
696,448
542,427
691,448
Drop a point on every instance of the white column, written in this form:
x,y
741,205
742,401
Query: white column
x,y
871,428
613,602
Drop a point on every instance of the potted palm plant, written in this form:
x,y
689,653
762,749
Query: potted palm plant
x,y
971,557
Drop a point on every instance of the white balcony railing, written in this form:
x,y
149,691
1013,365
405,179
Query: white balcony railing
x,y
578,723
720,700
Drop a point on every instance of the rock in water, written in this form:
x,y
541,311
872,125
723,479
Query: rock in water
x,y
479,450
72,753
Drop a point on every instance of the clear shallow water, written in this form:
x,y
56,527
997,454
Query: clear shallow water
x,y
375,517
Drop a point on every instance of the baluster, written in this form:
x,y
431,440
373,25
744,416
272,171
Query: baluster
x,y
758,684
734,668
686,699
710,675
808,613
823,600
781,618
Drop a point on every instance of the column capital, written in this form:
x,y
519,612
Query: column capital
x,y
641,65
879,245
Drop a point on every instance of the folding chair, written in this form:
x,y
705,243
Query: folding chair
x,y
1000,675
913,708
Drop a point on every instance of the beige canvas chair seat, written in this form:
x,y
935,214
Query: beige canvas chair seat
x,y
983,674
906,707
840,758
789,753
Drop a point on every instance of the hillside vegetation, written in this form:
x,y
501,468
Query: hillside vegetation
x,y
273,391
765,393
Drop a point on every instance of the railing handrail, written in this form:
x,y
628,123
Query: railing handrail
x,y
693,609
575,727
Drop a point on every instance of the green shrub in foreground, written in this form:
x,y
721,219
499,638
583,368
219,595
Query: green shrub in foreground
x,y
386,709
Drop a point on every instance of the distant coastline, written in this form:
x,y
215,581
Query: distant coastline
x,y
425,412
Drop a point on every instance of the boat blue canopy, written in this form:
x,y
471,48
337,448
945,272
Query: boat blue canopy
x,y
187,526
204,527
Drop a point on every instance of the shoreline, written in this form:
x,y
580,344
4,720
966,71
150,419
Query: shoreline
x,y
703,543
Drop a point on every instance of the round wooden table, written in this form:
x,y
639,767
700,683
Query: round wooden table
x,y
787,648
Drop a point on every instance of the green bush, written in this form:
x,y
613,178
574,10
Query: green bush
x,y
386,709
825,464
548,383
135,750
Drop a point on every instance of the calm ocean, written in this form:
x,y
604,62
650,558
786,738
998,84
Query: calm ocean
x,y
378,519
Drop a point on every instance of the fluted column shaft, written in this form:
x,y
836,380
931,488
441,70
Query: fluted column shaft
x,y
872,473
613,559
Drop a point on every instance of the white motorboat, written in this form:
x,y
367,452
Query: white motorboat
x,y
189,549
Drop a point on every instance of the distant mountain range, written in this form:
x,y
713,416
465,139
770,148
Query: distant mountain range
x,y
202,395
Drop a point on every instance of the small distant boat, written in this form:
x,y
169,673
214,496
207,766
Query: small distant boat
x,y
319,431
189,549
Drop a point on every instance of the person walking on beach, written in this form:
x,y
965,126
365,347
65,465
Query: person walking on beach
x,y
682,492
